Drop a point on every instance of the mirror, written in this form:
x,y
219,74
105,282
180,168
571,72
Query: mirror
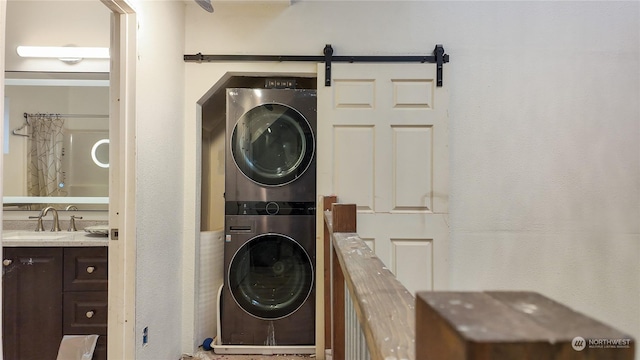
x,y
58,141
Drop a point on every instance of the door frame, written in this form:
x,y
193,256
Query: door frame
x,y
121,324
122,223
3,26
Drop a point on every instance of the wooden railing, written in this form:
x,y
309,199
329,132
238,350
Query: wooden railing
x,y
369,314
365,295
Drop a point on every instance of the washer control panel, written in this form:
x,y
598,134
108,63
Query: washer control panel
x,y
269,208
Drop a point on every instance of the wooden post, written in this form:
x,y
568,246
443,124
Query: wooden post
x,y
337,321
327,202
511,325
343,220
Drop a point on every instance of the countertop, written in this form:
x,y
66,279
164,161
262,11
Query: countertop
x,y
25,238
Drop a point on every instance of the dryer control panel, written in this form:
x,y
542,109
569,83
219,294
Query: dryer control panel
x,y
269,208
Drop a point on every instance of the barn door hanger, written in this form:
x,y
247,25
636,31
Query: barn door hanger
x,y
438,57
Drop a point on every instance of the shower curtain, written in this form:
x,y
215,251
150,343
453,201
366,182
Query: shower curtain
x,y
44,174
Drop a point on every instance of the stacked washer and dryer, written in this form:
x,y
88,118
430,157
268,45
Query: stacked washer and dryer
x,y
268,296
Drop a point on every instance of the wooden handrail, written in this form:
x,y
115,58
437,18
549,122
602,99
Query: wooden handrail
x,y
384,307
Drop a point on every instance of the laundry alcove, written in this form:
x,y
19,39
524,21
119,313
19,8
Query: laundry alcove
x,y
210,250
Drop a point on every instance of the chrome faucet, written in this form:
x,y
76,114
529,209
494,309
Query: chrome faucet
x,y
72,223
72,218
56,224
39,227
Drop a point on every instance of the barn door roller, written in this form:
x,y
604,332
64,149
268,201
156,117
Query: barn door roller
x,y
439,58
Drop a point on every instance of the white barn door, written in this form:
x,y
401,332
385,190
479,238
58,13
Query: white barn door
x,y
383,145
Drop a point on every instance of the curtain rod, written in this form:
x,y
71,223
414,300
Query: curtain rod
x,y
88,116
28,115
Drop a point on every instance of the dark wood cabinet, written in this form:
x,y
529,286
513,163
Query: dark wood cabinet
x,y
49,292
31,303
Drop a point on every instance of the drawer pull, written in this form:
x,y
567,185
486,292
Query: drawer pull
x,y
90,314
91,269
7,262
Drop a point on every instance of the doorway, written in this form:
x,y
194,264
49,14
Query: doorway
x,y
122,175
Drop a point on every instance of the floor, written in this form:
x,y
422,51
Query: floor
x,y
210,355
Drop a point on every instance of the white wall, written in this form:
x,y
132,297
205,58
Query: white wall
x,y
544,128
56,23
159,162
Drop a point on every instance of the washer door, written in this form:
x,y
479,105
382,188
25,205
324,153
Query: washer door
x,y
270,276
272,144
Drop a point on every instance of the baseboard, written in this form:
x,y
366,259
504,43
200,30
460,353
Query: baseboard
x,y
261,350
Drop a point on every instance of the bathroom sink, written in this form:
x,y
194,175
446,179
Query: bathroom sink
x,y
35,236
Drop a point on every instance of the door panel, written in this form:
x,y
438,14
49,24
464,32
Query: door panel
x,y
413,253
383,145
411,175
354,154
31,302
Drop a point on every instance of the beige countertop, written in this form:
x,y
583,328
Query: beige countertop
x,y
20,238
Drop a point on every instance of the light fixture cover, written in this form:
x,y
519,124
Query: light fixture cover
x,y
205,4
63,52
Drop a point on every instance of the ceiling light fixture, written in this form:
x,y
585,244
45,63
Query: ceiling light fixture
x,y
56,82
205,4
64,53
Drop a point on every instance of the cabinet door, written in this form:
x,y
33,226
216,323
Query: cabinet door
x,y
32,303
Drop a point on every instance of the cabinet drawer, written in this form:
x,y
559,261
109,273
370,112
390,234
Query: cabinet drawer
x,y
85,269
85,313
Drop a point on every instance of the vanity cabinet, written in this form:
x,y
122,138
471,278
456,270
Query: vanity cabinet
x,y
31,302
84,299
48,292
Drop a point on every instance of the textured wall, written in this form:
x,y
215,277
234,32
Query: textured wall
x,y
159,164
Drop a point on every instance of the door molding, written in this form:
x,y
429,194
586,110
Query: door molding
x,y
122,222
121,324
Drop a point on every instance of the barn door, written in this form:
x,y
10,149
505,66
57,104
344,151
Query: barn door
x,y
383,145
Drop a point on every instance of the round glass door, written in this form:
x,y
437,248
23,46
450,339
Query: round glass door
x,y
270,276
272,144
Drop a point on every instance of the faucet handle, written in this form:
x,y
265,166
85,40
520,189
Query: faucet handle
x,y
72,222
40,226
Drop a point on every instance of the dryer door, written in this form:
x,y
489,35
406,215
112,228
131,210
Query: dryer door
x,y
272,144
270,276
